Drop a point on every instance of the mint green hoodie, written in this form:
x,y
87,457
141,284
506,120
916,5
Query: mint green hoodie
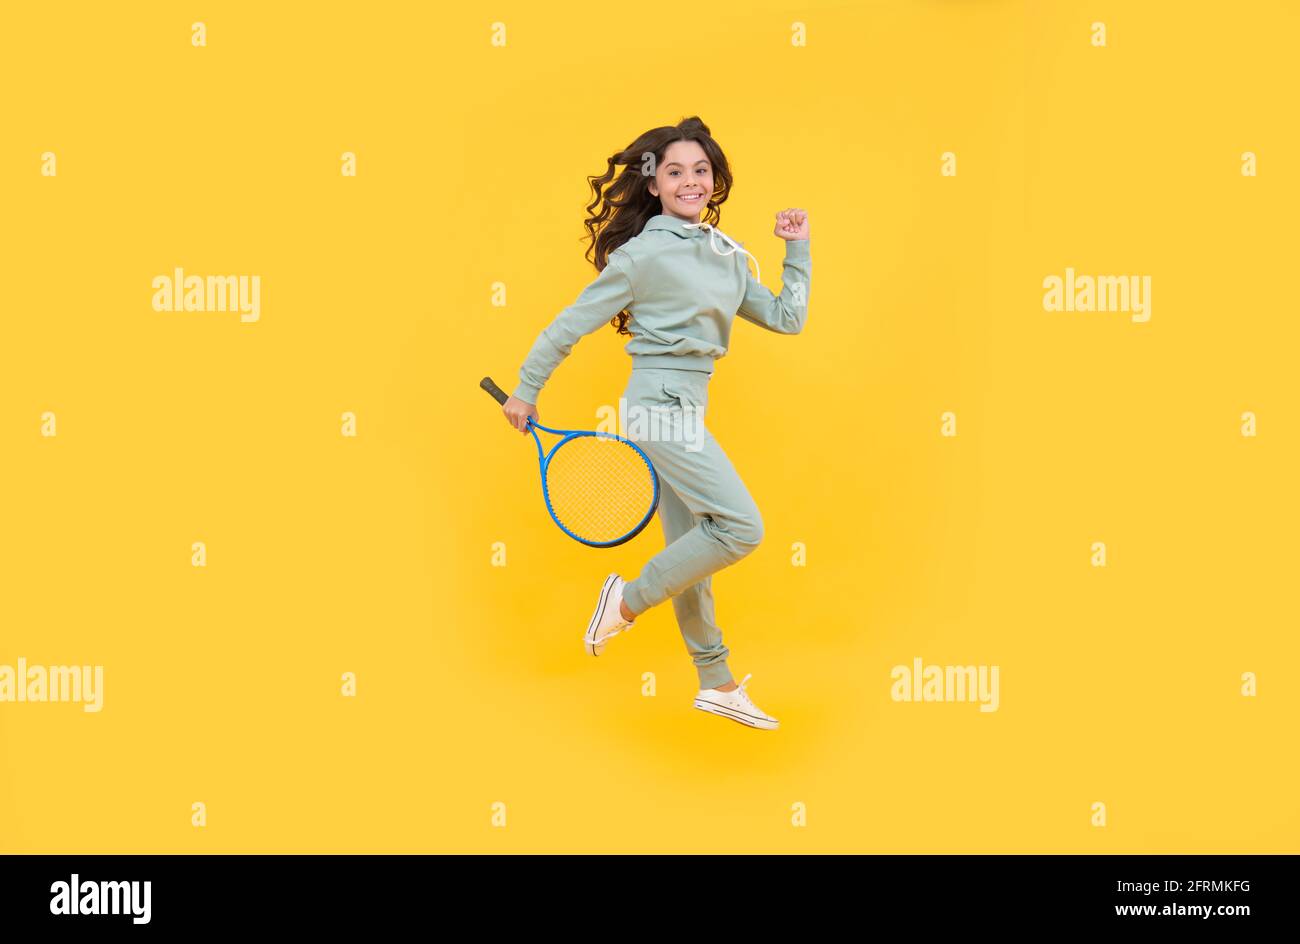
x,y
682,291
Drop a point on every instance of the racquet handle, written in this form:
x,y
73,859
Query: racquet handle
x,y
497,393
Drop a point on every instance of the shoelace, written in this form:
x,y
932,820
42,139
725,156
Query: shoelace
x,y
743,695
734,246
619,627
740,690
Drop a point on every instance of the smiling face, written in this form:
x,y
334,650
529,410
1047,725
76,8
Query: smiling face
x,y
683,181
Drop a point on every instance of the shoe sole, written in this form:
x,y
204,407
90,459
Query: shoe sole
x,y
748,720
593,645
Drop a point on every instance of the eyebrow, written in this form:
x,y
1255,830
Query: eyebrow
x,y
675,164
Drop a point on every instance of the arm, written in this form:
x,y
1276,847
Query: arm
x,y
599,302
785,313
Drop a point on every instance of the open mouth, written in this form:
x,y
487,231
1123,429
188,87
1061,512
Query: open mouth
x,y
690,198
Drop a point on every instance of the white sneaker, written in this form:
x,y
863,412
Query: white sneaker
x,y
735,705
608,619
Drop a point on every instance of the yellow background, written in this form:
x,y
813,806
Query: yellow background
x,y
374,555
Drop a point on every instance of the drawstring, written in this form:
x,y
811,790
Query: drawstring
x,y
734,246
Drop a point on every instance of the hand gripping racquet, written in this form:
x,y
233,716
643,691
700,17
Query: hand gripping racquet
x,y
601,489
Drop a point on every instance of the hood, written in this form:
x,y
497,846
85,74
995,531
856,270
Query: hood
x,y
696,231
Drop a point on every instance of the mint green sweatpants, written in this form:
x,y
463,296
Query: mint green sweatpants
x,y
709,519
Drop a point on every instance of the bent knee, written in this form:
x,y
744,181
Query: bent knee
x,y
744,535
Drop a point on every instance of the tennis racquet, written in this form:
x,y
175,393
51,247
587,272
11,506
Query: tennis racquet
x,y
601,489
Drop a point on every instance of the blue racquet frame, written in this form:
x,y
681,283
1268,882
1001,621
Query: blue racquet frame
x,y
544,461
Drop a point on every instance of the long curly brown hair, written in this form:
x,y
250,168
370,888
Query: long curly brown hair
x,y
620,210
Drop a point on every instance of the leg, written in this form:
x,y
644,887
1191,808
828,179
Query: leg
x,y
727,526
694,605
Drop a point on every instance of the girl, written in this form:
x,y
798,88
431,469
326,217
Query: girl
x,y
673,283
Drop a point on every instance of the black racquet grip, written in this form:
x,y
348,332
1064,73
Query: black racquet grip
x,y
497,393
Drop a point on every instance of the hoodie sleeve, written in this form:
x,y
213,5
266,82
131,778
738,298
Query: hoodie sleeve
x,y
787,312
599,302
